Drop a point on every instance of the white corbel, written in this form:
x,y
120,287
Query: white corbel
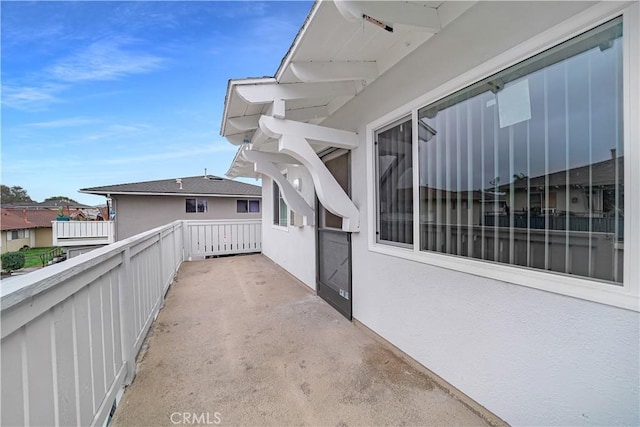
x,y
264,164
329,192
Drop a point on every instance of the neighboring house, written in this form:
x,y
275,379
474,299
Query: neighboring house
x,y
462,178
26,227
141,206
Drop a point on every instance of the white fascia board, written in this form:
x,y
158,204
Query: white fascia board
x,y
335,71
275,128
265,93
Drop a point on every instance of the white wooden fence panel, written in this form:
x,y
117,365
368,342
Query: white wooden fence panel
x,y
210,238
76,233
71,332
69,338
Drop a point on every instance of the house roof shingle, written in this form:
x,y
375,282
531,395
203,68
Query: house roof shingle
x,y
16,219
194,185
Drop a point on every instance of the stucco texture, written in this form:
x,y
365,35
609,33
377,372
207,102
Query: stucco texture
x,y
135,214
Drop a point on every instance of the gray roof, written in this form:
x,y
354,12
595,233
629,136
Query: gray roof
x,y
193,185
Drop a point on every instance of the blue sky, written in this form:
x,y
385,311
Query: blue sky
x,y
98,93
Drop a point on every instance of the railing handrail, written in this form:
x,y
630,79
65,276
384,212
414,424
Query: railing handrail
x,y
74,329
30,285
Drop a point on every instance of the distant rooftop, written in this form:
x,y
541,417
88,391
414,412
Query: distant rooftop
x,y
51,204
193,185
15,219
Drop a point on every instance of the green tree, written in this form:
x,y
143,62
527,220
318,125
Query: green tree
x,y
14,194
60,199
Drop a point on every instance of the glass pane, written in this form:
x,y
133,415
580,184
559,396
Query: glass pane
x,y
254,206
526,167
276,203
395,184
241,206
190,205
202,205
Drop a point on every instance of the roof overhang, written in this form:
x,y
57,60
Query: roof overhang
x,y
343,46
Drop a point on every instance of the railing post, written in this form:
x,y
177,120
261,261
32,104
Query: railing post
x,y
186,241
127,321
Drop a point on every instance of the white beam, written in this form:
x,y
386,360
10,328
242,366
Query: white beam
x,y
275,128
335,71
262,94
329,192
263,164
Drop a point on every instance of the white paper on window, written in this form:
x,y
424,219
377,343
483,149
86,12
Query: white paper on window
x,y
514,104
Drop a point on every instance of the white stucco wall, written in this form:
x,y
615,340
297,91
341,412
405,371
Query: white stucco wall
x,y
293,248
531,357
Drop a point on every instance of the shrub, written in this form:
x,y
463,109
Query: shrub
x,y
24,248
12,261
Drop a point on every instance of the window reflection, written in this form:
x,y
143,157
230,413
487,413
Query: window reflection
x,y
526,167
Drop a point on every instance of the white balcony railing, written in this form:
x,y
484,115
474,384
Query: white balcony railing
x,y
83,233
71,331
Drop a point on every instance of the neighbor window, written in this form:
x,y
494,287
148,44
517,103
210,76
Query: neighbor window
x,y
279,207
524,167
17,234
248,206
196,205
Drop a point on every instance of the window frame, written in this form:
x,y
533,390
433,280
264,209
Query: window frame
x,y
248,202
625,296
198,200
278,225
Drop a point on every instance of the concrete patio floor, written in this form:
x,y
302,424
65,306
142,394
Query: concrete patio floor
x,y
241,342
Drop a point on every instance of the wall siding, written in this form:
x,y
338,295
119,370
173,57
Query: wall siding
x,y
135,214
293,248
531,357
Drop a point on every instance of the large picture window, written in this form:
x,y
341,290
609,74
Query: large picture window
x,y
524,167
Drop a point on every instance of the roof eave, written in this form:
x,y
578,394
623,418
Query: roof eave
x,y
148,193
227,99
286,60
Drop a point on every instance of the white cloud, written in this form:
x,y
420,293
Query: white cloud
x,y
107,59
30,97
63,123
